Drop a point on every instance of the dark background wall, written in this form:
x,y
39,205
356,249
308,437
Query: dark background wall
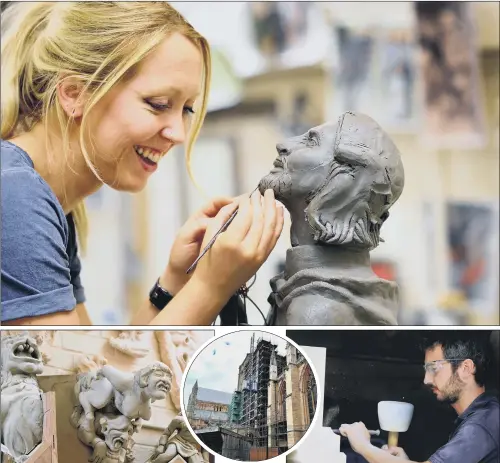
x,y
366,367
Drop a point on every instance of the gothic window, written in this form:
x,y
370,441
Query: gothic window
x,y
312,394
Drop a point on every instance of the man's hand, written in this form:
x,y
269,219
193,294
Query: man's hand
x,y
396,451
358,436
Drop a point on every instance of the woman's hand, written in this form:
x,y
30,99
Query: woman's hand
x,y
239,252
187,244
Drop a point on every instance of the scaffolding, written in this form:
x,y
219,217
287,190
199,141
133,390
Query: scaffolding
x,y
255,377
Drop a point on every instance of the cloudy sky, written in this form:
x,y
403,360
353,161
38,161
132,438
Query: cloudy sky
x,y
216,367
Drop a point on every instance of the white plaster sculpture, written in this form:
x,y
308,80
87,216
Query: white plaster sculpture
x,y
112,393
132,343
319,441
176,349
21,417
177,441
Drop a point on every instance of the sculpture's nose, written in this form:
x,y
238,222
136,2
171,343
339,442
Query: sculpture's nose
x,y
282,149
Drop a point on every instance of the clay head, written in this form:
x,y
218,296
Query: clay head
x,y
346,175
156,380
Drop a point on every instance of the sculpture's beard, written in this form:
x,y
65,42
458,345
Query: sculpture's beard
x,y
280,183
354,229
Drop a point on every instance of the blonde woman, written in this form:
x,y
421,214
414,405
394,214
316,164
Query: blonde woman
x,y
98,93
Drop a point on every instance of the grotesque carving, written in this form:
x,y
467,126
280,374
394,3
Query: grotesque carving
x,y
338,181
110,437
176,349
21,417
130,343
112,393
176,440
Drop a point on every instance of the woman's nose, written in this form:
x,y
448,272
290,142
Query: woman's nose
x,y
176,133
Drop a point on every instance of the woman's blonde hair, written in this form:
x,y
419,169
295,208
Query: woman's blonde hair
x,y
98,43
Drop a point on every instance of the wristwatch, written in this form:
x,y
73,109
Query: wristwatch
x,y
159,296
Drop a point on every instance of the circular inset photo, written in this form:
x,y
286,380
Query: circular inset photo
x,y
250,395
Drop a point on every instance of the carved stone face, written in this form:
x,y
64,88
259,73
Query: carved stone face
x,y
20,354
159,384
116,431
346,175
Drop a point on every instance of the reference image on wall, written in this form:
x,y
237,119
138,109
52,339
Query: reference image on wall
x,y
250,396
101,396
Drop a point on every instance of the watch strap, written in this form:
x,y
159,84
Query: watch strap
x,y
159,296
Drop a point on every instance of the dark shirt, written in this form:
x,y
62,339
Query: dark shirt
x,y
40,264
476,435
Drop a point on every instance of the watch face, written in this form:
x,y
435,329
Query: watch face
x,y
159,297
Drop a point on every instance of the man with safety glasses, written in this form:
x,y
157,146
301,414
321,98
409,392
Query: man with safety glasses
x,y
455,372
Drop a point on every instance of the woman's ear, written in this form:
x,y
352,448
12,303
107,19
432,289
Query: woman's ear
x,y
71,96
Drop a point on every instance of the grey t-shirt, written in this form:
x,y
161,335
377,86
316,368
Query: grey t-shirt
x,y
40,264
476,435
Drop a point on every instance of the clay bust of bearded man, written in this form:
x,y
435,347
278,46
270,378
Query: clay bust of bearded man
x,y
338,181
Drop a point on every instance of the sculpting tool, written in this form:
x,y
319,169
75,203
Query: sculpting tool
x,y
221,230
371,432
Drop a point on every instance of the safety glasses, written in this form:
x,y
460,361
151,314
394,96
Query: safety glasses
x,y
436,365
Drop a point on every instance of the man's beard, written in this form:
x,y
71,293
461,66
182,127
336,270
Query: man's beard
x,y
280,183
452,391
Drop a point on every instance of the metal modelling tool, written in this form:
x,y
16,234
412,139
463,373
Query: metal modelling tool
x,y
212,241
372,433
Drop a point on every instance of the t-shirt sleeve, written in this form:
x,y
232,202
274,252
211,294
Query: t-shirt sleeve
x,y
75,265
471,444
36,275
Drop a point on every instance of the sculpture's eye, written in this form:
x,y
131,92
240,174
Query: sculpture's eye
x,y
313,138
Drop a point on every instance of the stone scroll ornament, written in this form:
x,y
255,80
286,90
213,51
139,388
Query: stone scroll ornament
x,y
21,416
111,405
177,444
338,182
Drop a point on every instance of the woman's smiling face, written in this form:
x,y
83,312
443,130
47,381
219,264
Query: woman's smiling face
x,y
132,127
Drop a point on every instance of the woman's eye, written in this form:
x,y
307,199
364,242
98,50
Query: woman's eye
x,y
188,109
157,106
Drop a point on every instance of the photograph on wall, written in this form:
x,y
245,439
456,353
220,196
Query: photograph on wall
x,y
250,396
380,58
449,63
397,53
472,239
278,26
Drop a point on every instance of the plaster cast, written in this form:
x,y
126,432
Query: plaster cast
x,y
338,181
177,440
21,417
112,393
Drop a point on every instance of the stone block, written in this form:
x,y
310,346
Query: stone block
x,y
77,342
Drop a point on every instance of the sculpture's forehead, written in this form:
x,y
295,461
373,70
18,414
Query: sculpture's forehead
x,y
327,127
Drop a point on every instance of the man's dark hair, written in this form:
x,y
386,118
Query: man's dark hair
x,y
473,346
